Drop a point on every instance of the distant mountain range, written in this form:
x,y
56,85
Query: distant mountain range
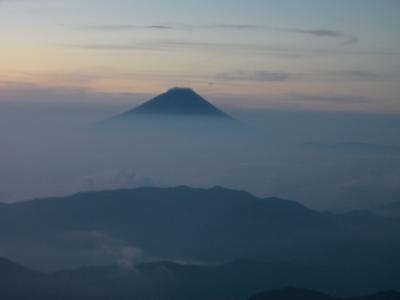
x,y
238,280
207,226
389,210
357,147
10,271
304,294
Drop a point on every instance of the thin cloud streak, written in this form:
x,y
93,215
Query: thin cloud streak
x,y
262,76
323,33
319,33
339,99
235,26
355,75
122,27
172,45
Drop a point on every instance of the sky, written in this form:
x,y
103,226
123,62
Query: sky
x,y
341,55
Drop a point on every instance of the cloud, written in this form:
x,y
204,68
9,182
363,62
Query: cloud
x,y
355,75
319,33
324,33
254,76
339,99
345,39
20,1
122,27
350,40
235,26
215,47
114,179
170,45
256,49
124,256
81,76
119,251
315,32
158,27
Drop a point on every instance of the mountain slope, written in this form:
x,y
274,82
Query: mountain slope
x,y
211,225
304,294
178,102
202,225
10,271
168,280
179,112
389,210
291,294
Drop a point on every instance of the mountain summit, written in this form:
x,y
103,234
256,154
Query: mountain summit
x,y
180,111
177,101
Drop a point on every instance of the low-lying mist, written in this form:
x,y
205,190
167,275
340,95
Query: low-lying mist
x,y
326,160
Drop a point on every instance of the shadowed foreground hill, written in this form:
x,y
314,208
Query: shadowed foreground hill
x,y
166,280
303,294
389,210
177,223
10,271
208,226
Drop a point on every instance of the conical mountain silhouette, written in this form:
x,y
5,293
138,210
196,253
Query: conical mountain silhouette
x,y
178,102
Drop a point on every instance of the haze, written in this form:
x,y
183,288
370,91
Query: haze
x,y
205,150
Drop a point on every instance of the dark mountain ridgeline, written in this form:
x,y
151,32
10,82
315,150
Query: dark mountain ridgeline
x,y
357,148
208,226
292,294
179,223
167,280
304,294
388,210
10,271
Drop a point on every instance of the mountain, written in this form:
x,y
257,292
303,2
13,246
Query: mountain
x,y
169,280
389,210
171,223
357,148
179,113
177,102
236,280
291,294
207,226
10,271
304,294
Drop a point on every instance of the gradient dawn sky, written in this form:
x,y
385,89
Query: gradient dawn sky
x,y
307,54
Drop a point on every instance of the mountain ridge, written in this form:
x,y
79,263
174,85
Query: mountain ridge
x,y
293,293
176,102
10,270
197,225
236,280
